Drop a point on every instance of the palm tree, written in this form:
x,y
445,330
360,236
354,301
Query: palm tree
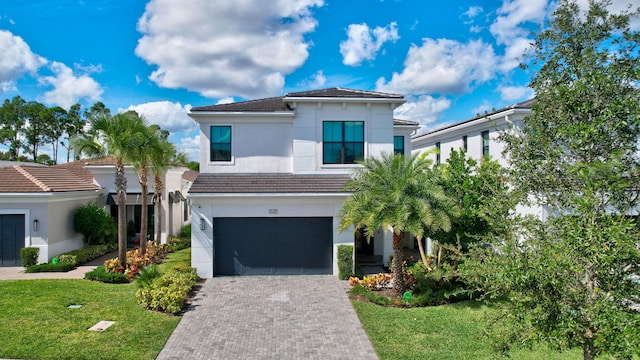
x,y
397,194
163,156
140,157
118,136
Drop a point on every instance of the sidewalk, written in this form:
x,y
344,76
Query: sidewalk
x,y
17,272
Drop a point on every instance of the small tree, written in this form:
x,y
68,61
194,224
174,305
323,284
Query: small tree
x,y
571,279
93,223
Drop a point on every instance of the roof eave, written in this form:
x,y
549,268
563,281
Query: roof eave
x,y
196,114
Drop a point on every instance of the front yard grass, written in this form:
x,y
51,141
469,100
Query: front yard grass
x,y
36,323
438,332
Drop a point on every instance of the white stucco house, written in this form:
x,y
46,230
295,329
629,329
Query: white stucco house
x,y
271,179
478,137
37,204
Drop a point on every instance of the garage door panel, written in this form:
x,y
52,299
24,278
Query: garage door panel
x,y
273,246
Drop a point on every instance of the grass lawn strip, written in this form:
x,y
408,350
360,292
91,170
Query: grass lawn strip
x,y
38,325
439,332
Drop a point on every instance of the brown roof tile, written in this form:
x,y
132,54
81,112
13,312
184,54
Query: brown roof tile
x,y
15,179
268,183
190,175
260,105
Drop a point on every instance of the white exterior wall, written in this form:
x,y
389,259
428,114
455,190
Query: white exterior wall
x,y
54,212
257,145
209,207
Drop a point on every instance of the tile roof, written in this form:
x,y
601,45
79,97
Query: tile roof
x,y
521,105
190,175
279,103
36,179
268,183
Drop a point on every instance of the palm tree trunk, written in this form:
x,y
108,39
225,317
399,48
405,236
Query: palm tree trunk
x,y
121,188
143,178
396,267
158,188
422,254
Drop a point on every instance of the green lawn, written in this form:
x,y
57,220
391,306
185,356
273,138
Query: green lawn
x,y
439,332
36,323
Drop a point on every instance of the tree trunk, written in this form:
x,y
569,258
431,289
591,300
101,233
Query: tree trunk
x,y
157,189
588,350
121,188
143,178
422,254
396,267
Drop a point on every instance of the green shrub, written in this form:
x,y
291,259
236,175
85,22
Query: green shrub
x,y
345,261
101,274
87,254
29,256
183,266
437,287
93,223
185,232
168,292
373,296
176,244
147,276
51,267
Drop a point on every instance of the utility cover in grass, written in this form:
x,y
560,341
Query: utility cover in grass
x,y
101,325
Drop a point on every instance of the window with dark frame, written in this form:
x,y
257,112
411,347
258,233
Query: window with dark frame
x,y
220,143
464,143
398,145
342,142
485,143
437,153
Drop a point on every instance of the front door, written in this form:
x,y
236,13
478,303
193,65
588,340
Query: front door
x,y
11,239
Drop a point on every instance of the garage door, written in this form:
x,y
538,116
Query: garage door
x,y
273,246
11,239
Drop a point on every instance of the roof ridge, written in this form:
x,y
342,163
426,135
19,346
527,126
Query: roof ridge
x,y
33,179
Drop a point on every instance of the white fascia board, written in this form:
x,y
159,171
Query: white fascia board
x,y
265,195
422,139
48,197
265,114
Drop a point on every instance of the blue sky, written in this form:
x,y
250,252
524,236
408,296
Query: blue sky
x,y
451,59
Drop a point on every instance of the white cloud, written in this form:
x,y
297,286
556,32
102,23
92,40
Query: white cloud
x,y
473,11
316,81
515,93
485,106
16,59
424,109
168,115
226,100
364,43
442,66
224,48
190,145
69,88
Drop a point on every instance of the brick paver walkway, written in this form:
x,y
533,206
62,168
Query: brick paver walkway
x,y
270,317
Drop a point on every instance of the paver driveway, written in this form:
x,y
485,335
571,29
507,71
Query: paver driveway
x,y
270,317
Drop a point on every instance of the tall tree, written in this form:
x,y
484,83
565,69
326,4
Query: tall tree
x,y
75,127
571,279
119,136
12,119
397,194
37,130
58,125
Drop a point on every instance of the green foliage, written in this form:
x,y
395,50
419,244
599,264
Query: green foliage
x,y
51,267
147,275
94,224
483,196
570,279
185,232
180,243
345,261
438,287
102,275
398,193
87,254
29,256
168,292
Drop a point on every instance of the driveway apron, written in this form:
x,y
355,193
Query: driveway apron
x,y
270,317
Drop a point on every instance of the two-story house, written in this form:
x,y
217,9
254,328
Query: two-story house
x,y
272,172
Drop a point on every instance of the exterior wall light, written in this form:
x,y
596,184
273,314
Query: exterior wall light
x,y
202,224
35,225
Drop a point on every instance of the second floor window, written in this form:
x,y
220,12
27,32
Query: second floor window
x,y
485,143
398,145
342,142
220,143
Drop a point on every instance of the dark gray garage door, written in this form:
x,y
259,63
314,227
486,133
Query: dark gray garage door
x,y
11,239
273,246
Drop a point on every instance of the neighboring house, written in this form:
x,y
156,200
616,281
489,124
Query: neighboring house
x,y
272,173
478,137
36,204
